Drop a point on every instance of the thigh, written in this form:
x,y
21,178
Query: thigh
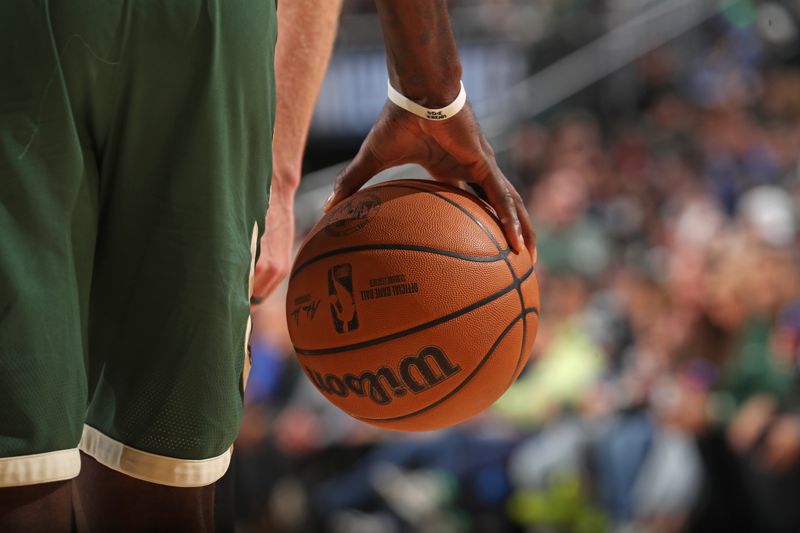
x,y
183,194
47,221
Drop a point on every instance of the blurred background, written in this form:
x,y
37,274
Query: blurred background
x,y
657,145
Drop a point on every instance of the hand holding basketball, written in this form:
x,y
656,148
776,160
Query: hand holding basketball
x,y
453,151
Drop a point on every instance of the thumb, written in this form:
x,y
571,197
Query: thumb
x,y
359,171
261,280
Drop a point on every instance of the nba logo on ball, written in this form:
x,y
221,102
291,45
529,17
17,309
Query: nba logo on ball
x,y
431,316
342,301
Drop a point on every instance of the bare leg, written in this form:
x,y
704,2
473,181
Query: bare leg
x,y
45,507
107,500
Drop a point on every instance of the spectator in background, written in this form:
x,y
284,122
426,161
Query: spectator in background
x,y
663,393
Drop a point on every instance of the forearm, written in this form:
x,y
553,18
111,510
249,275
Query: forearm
x,y
421,52
306,31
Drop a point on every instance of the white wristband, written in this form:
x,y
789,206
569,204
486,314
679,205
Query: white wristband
x,y
424,112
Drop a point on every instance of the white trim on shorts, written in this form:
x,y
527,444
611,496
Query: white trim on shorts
x,y
151,467
39,468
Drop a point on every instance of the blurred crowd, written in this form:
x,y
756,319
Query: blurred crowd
x,y
663,392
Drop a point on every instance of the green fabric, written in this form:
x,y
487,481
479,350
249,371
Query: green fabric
x,y
581,248
135,145
752,369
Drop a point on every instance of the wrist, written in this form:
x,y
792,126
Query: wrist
x,y
433,91
282,195
285,178
281,204
283,198
441,113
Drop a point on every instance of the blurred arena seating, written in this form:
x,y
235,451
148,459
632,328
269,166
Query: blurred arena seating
x,y
657,143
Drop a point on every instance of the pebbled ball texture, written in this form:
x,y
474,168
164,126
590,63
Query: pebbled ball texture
x,y
407,309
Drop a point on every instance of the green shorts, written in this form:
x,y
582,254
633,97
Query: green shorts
x,y
135,157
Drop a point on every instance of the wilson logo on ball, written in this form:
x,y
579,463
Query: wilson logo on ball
x,y
415,373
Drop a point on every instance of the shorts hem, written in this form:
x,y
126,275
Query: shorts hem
x,y
39,468
151,467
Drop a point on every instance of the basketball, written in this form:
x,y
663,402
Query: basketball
x,y
408,310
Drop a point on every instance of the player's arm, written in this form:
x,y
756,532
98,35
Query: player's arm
x,y
423,65
306,31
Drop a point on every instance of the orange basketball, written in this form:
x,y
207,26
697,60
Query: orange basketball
x,y
407,309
